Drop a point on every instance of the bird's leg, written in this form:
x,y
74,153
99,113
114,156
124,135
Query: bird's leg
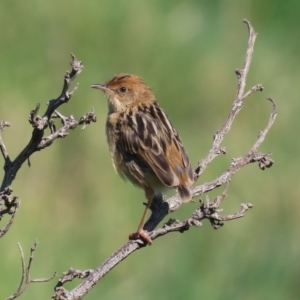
x,y
140,231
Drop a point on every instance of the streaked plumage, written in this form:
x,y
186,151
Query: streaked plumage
x,y
144,146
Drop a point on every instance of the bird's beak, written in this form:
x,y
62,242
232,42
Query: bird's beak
x,y
101,87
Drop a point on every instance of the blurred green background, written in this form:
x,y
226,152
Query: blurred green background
x,y
81,211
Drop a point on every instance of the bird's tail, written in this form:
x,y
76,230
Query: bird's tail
x,y
184,193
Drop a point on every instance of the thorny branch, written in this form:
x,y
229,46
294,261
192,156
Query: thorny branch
x,y
25,279
208,210
38,139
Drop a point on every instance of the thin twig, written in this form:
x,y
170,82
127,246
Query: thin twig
x,y
25,278
3,149
242,74
256,88
238,103
8,205
5,229
262,134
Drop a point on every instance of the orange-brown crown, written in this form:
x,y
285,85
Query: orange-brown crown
x,y
125,90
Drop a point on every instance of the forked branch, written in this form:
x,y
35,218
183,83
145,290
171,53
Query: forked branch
x,y
208,209
25,278
38,139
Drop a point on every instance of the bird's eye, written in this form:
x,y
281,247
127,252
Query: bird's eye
x,y
123,89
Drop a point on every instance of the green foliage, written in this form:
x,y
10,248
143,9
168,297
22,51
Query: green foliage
x,y
187,51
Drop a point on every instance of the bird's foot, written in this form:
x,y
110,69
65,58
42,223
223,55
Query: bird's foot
x,y
142,235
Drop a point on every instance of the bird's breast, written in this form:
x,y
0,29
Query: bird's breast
x,y
112,137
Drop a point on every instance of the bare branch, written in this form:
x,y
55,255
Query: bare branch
x,y
262,134
242,74
25,278
8,205
236,107
38,141
95,275
4,152
60,291
208,210
5,229
256,88
41,123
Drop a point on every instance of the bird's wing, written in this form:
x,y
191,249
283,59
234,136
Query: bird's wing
x,y
150,136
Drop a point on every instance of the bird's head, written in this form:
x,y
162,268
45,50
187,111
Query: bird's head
x,y
125,90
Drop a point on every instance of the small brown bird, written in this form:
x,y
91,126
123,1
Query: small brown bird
x,y
144,146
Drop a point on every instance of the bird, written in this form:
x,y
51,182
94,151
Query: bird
x,y
144,146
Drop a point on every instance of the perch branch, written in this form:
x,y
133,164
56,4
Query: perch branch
x,y
208,210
